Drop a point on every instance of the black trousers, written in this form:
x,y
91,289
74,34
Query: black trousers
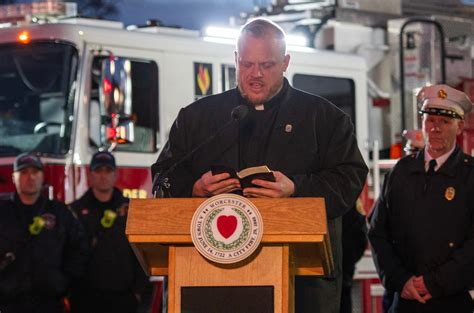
x,y
322,295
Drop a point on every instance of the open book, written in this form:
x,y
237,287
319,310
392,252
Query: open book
x,y
246,175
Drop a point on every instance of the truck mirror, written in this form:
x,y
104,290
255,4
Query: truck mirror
x,y
116,86
115,95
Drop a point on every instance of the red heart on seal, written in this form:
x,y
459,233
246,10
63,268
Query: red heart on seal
x,y
226,224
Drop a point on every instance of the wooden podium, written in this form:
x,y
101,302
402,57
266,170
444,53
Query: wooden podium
x,y
295,242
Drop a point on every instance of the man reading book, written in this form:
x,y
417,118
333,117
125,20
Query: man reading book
x,y
306,141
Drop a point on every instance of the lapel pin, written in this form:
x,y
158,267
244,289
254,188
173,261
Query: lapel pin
x,y
288,128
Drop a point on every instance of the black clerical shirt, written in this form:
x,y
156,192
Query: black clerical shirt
x,y
255,130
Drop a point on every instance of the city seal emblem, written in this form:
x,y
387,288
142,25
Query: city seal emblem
x,y
226,228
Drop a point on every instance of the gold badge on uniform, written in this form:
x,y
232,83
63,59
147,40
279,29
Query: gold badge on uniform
x,y
442,94
450,193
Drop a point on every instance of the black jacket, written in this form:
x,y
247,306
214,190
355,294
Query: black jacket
x,y
112,266
424,225
45,264
312,142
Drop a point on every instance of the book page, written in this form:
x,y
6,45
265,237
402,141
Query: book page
x,y
253,170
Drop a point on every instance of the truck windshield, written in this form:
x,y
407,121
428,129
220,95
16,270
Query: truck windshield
x,y
37,85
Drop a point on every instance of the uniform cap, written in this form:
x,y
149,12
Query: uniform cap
x,y
443,100
25,160
102,158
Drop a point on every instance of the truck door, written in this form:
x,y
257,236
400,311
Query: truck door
x,y
134,158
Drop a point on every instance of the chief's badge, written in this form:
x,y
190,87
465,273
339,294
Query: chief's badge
x,y
450,193
442,94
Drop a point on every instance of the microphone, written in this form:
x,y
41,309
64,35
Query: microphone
x,y
161,180
239,112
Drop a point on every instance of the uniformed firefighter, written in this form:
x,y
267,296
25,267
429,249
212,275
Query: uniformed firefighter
x,y
422,226
114,280
43,248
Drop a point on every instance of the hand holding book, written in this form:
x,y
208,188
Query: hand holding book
x,y
245,176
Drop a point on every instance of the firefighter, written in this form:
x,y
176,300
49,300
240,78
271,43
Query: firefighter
x,y
114,280
421,229
42,245
414,143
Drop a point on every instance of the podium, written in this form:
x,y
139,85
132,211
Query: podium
x,y
295,242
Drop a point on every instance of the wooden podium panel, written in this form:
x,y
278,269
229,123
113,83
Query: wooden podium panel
x,y
295,242
262,269
153,224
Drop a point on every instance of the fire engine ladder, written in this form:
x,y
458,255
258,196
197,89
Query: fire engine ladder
x,y
402,47
404,43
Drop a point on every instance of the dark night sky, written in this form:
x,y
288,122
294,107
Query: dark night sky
x,y
193,14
